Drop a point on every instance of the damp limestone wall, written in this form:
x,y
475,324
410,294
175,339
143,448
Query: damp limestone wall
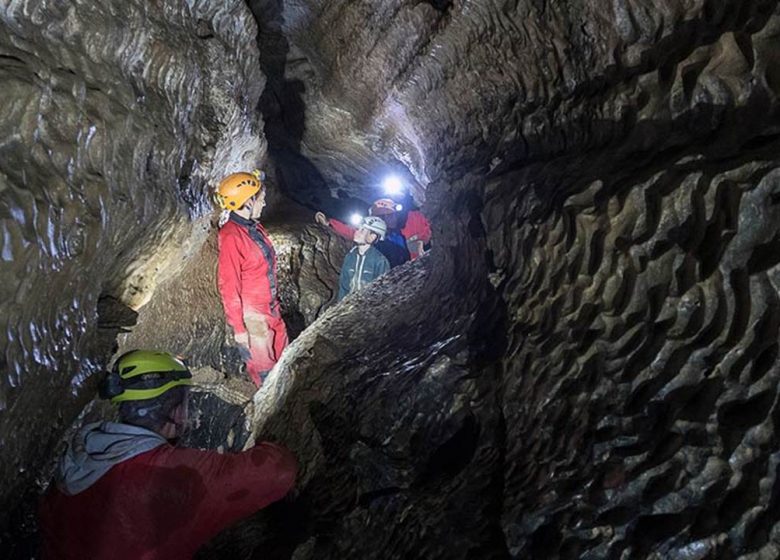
x,y
116,118
585,366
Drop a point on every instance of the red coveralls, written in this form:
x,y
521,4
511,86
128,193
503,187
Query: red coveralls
x,y
417,228
163,504
248,285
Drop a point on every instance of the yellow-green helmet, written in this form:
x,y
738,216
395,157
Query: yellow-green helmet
x,y
144,374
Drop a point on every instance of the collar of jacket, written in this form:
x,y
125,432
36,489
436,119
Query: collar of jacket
x,y
242,221
99,446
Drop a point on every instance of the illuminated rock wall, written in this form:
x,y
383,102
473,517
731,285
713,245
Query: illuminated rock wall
x,y
115,117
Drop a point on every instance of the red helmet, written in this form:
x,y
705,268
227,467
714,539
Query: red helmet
x,y
383,206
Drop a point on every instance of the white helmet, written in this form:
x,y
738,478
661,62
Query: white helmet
x,y
376,225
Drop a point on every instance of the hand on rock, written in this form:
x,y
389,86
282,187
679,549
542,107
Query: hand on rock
x,y
241,339
321,219
242,343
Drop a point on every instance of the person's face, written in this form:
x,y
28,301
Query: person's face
x,y
363,236
256,204
179,421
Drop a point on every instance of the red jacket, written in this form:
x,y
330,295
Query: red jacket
x,y
163,504
247,270
416,228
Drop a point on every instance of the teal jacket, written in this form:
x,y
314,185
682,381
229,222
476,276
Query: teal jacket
x,y
359,270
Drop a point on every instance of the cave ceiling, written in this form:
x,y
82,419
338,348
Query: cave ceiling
x,y
438,89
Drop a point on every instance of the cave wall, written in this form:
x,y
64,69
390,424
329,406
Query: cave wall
x,y
639,267
641,381
116,117
623,160
584,367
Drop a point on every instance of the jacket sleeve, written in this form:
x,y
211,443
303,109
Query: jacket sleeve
x,y
342,229
382,266
236,484
417,227
229,280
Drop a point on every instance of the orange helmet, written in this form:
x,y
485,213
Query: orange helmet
x,y
234,190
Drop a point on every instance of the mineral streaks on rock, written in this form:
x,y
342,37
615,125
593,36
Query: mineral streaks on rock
x,y
116,115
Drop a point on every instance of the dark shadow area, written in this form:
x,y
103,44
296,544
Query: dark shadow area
x,y
440,5
19,540
113,318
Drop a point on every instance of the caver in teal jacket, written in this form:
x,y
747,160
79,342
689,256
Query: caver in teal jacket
x,y
359,270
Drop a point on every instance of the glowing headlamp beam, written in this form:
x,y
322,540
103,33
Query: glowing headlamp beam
x,y
392,185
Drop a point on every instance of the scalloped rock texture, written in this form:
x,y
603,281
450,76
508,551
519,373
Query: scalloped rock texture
x,y
455,87
623,161
586,365
646,331
115,116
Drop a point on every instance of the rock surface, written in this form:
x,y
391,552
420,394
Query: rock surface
x,y
586,366
624,165
115,118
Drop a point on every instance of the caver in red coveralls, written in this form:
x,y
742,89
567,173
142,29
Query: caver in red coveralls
x,y
163,504
248,285
416,231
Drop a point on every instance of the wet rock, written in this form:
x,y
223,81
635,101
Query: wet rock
x,y
380,400
116,118
586,365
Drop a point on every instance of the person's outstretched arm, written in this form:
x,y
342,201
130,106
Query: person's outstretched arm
x,y
235,485
344,230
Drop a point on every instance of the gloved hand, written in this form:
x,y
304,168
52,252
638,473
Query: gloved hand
x,y
242,343
321,219
416,246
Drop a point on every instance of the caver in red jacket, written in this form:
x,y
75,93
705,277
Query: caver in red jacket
x,y
163,504
415,230
248,285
